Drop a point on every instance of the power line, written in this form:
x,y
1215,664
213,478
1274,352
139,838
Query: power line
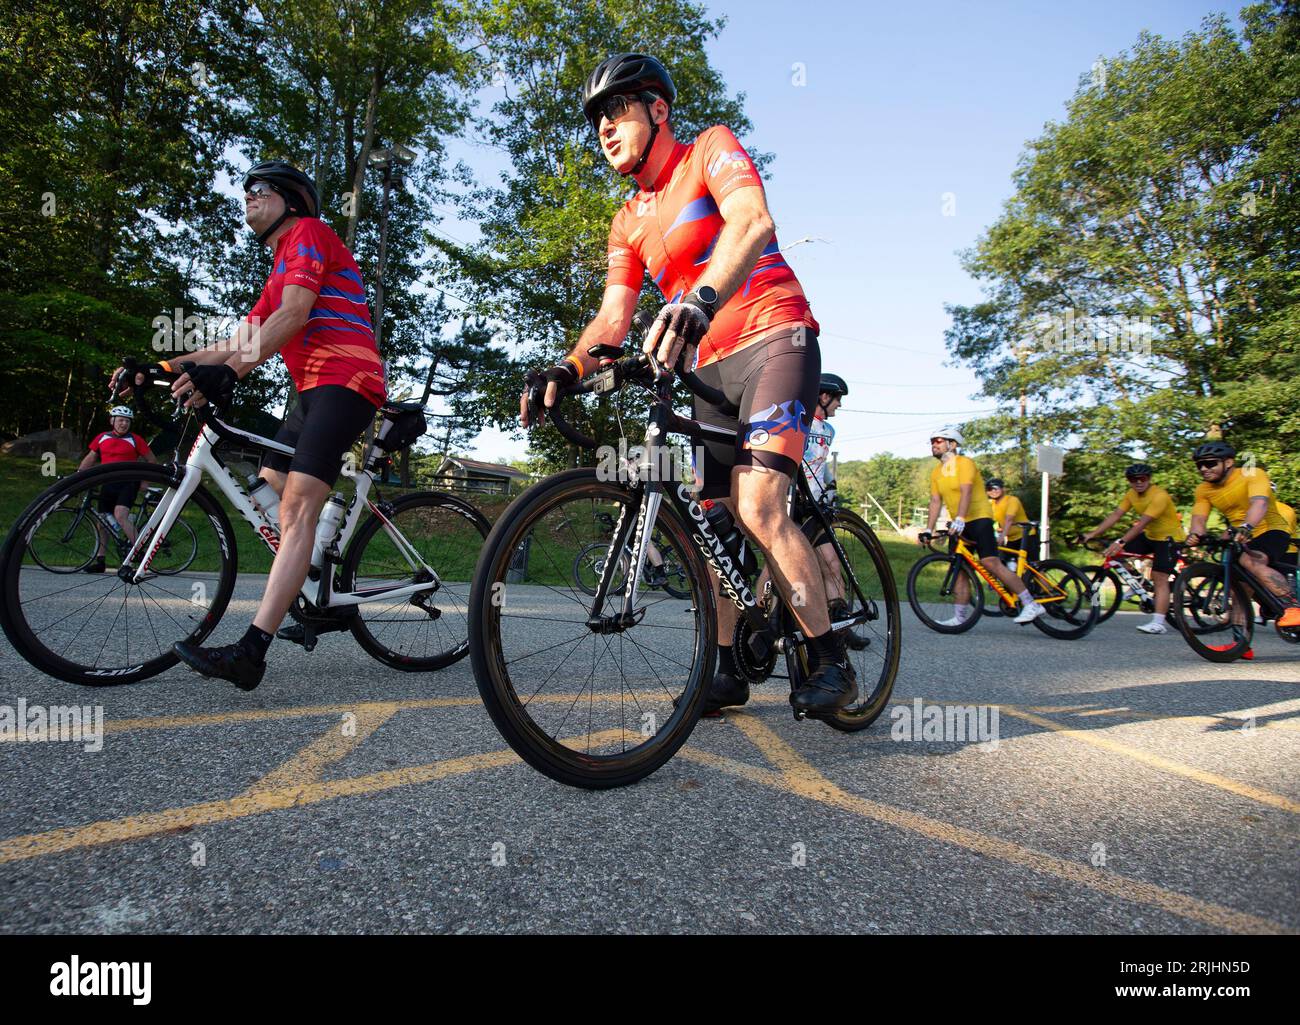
x,y
883,345
941,412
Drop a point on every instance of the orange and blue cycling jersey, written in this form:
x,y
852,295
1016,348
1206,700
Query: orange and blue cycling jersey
x,y
337,344
669,231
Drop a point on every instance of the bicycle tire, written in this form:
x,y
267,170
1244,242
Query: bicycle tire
x,y
1201,612
1058,613
870,705
918,606
591,556
1099,575
453,594
79,520
513,532
26,640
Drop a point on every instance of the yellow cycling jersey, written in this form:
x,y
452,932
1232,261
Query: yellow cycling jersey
x,y
1232,497
1288,514
1156,503
946,480
1010,505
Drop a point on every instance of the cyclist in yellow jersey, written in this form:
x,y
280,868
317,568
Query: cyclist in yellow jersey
x,y
1245,498
1288,514
1159,525
1008,513
956,483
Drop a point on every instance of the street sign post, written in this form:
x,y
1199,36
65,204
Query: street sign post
x,y
1051,460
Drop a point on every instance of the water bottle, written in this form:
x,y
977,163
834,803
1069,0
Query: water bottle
x,y
327,527
265,498
724,525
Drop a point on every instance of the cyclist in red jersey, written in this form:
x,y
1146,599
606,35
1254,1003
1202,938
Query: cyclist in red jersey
x,y
700,228
119,444
313,312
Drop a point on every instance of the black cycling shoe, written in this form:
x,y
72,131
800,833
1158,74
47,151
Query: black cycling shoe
x,y
229,662
293,632
726,690
839,609
829,689
656,576
96,566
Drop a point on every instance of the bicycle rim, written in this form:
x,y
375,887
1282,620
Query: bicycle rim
x,y
931,590
1068,596
586,708
1218,623
427,630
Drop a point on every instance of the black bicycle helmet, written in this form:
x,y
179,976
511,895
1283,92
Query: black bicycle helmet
x,y
994,482
626,73
833,384
298,190
1214,450
1139,470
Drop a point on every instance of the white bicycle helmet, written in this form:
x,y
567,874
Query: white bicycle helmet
x,y
951,433
122,411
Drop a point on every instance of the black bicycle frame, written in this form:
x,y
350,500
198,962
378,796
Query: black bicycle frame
x,y
639,514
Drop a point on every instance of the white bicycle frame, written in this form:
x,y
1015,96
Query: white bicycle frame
x,y
201,460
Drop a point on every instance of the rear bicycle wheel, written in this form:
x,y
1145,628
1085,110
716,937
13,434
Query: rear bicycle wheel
x,y
589,704
875,664
1218,623
429,629
66,542
590,563
932,586
1067,595
104,629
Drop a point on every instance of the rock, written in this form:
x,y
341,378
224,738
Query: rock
x,y
65,444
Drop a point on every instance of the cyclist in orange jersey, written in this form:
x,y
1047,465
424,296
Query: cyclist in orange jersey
x,y
700,228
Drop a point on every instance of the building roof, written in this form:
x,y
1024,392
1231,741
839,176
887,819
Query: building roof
x,y
481,469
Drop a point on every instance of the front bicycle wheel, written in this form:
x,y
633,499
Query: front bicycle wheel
x,y
106,628
1068,596
418,538
932,589
874,645
65,542
591,698
1110,590
1217,622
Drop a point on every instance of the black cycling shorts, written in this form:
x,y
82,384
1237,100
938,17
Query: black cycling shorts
x,y
773,384
321,429
1272,544
1164,558
979,534
124,492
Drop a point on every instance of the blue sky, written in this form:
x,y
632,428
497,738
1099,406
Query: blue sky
x,y
901,105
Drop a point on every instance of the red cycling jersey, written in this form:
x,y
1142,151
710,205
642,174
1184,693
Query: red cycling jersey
x,y
120,448
670,230
337,344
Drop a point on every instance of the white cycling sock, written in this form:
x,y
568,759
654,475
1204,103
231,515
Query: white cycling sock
x,y
962,612
1025,597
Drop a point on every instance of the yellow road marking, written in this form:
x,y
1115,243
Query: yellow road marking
x,y
796,776
1158,762
334,745
254,802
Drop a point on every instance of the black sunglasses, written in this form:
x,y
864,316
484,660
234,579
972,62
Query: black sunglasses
x,y
1202,464
614,107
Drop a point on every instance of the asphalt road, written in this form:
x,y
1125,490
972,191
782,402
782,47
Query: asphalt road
x,y
1133,788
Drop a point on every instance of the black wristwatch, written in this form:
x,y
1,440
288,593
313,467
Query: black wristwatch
x,y
706,296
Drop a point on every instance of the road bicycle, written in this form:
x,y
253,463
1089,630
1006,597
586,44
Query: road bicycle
x,y
72,537
590,564
601,690
1214,602
1117,581
1060,587
397,579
